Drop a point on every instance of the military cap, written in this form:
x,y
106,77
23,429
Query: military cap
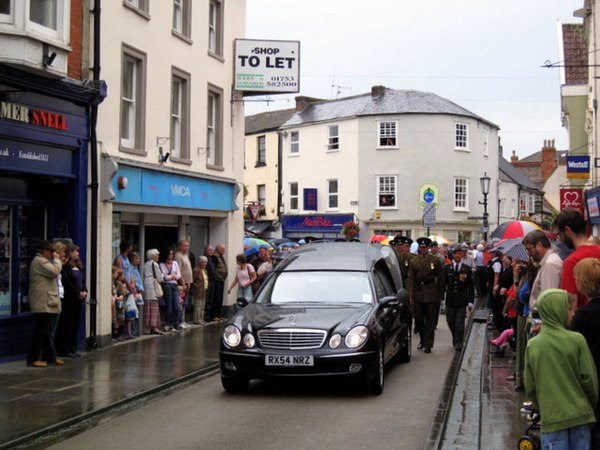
x,y
464,247
407,241
424,242
398,240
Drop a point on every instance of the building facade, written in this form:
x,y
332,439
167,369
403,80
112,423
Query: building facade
x,y
45,139
387,159
171,132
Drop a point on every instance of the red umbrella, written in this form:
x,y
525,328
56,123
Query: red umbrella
x,y
377,238
514,229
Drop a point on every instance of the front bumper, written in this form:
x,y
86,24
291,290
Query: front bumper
x,y
251,364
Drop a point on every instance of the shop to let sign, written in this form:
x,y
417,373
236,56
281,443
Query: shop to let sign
x,y
264,66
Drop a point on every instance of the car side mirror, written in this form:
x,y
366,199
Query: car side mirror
x,y
390,300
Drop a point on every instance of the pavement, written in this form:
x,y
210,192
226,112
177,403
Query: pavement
x,y
478,407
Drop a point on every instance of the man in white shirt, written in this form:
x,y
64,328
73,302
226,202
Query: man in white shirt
x,y
549,275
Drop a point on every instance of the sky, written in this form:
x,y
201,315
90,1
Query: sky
x,y
487,56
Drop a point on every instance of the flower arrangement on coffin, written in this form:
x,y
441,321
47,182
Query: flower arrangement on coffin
x,y
350,229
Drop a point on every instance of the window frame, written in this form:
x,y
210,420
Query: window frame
x,y
380,182
63,21
294,143
136,146
141,7
333,139
215,28
461,136
180,117
214,128
261,195
381,124
261,151
331,195
8,18
460,198
294,198
183,29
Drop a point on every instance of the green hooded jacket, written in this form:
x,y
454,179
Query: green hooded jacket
x,y
560,375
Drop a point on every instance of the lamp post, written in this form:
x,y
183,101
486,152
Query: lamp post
x,y
485,190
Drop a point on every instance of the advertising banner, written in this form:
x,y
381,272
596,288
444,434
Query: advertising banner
x,y
267,66
571,198
578,166
310,199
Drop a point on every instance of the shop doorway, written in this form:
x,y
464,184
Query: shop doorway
x,y
160,238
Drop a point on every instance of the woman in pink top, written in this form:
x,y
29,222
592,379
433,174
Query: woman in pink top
x,y
245,275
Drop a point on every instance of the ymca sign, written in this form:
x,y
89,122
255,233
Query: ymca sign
x,y
571,198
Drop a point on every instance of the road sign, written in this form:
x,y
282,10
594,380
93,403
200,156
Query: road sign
x,y
429,215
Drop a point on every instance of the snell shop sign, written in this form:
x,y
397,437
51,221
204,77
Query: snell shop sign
x,y
21,113
267,66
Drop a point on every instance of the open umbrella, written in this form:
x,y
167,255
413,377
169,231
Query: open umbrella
x,y
514,248
441,240
278,241
514,229
378,238
250,242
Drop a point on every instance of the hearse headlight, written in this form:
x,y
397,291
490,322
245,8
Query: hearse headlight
x,y
357,336
335,341
232,336
249,340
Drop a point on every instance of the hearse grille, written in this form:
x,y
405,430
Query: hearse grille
x,y
291,339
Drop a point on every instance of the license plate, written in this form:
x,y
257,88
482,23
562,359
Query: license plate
x,y
289,360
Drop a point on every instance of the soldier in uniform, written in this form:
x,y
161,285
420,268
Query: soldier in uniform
x,y
425,289
401,246
460,291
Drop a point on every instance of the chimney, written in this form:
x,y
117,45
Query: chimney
x,y
377,91
302,102
514,158
549,163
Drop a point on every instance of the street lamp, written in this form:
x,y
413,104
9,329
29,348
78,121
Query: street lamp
x,y
485,190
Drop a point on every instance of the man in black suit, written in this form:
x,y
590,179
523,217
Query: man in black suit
x,y
460,292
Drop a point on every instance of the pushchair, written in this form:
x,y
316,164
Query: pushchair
x,y
531,439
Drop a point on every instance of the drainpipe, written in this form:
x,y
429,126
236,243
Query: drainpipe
x,y
92,341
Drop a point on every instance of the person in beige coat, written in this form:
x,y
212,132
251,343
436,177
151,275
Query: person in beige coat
x,y
44,303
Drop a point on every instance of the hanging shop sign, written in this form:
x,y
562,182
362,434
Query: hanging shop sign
x,y
267,66
310,199
571,198
578,166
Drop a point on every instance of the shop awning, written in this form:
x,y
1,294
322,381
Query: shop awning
x,y
257,227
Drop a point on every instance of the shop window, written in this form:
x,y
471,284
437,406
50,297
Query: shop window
x,y
214,128
215,27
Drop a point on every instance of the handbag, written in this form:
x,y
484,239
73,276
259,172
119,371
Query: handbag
x,y
157,287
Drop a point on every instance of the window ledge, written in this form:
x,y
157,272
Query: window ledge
x,y
181,36
387,208
133,151
460,210
387,148
138,11
216,56
260,164
215,167
294,155
333,150
186,161
462,149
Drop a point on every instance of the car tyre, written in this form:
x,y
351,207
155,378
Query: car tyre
x,y
375,380
405,353
235,384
